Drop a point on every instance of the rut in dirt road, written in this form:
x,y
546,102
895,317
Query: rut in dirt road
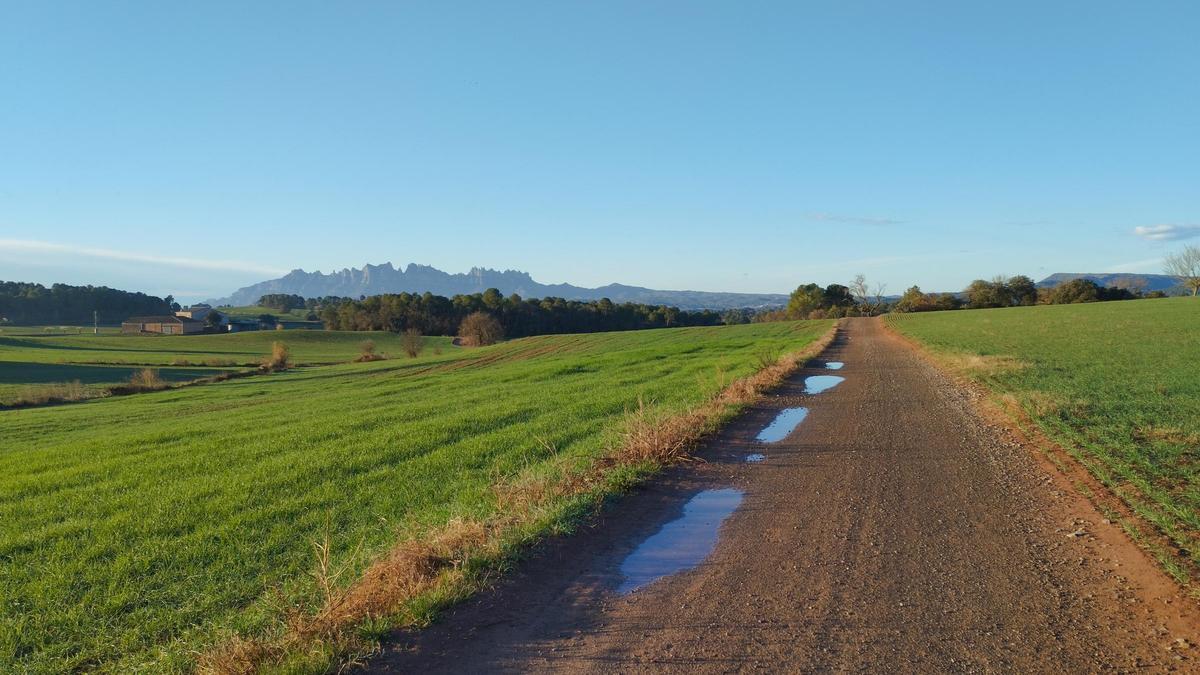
x,y
892,530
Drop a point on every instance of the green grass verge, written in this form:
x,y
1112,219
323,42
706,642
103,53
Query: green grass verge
x,y
136,532
1116,384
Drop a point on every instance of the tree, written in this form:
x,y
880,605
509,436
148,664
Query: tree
x,y
1022,290
213,319
479,329
859,289
804,300
913,300
1185,266
1075,291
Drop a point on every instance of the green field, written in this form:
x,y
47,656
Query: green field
x,y
1117,384
308,347
137,531
106,360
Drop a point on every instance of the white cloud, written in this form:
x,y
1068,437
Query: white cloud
x,y
1167,232
211,264
851,220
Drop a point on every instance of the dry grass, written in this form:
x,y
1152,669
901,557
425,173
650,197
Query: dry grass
x,y
420,565
52,392
976,365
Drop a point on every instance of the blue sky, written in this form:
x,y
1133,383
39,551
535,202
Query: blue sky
x,y
192,148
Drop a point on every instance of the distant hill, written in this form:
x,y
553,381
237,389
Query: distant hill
x,y
1133,282
378,279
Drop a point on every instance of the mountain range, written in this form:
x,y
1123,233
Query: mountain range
x,y
1134,282
385,278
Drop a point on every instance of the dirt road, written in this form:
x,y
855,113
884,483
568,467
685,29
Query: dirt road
x,y
892,531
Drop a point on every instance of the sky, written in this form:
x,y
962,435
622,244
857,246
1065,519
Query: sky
x,y
193,148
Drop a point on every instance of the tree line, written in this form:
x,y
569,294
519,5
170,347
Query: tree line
x,y
811,301
517,317
29,303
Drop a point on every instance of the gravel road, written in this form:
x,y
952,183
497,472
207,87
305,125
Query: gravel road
x,y
893,531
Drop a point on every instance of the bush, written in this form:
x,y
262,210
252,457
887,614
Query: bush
x,y
280,358
412,342
480,329
147,379
367,352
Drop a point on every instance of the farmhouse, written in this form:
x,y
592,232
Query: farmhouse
x,y
197,312
167,325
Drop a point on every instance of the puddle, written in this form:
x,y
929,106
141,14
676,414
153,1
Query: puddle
x,y
682,543
815,384
755,457
834,365
784,423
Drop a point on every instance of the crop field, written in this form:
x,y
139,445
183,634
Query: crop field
x,y
308,347
137,532
96,361
1117,384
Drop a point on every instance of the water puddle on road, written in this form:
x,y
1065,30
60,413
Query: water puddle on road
x,y
815,384
834,365
755,457
682,543
784,423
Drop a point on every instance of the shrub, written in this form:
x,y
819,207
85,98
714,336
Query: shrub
x,y
280,358
147,379
367,352
412,342
480,329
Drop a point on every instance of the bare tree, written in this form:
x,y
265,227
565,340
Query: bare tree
x,y
479,329
1185,266
412,342
878,293
858,288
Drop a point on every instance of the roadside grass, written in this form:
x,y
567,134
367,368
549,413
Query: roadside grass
x,y
138,533
1116,384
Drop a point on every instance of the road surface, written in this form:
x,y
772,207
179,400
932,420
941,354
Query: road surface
x,y
894,531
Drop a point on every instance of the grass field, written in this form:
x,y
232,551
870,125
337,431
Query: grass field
x,y
136,532
307,347
106,360
1117,384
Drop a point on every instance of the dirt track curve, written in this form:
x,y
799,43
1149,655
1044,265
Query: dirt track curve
x,y
894,531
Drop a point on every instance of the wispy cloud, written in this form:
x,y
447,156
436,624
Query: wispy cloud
x,y
211,264
850,220
1167,232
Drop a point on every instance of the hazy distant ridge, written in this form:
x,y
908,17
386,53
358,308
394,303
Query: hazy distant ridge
x,y
378,279
1145,282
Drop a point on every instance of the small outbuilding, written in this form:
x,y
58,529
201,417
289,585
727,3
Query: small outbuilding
x,y
165,325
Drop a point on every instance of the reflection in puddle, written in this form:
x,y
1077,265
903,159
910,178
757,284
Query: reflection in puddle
x,y
834,365
682,543
755,457
815,384
784,423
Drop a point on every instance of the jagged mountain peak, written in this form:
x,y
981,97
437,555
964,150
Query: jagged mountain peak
x,y
375,279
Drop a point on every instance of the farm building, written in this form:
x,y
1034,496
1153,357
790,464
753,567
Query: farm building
x,y
167,325
197,312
